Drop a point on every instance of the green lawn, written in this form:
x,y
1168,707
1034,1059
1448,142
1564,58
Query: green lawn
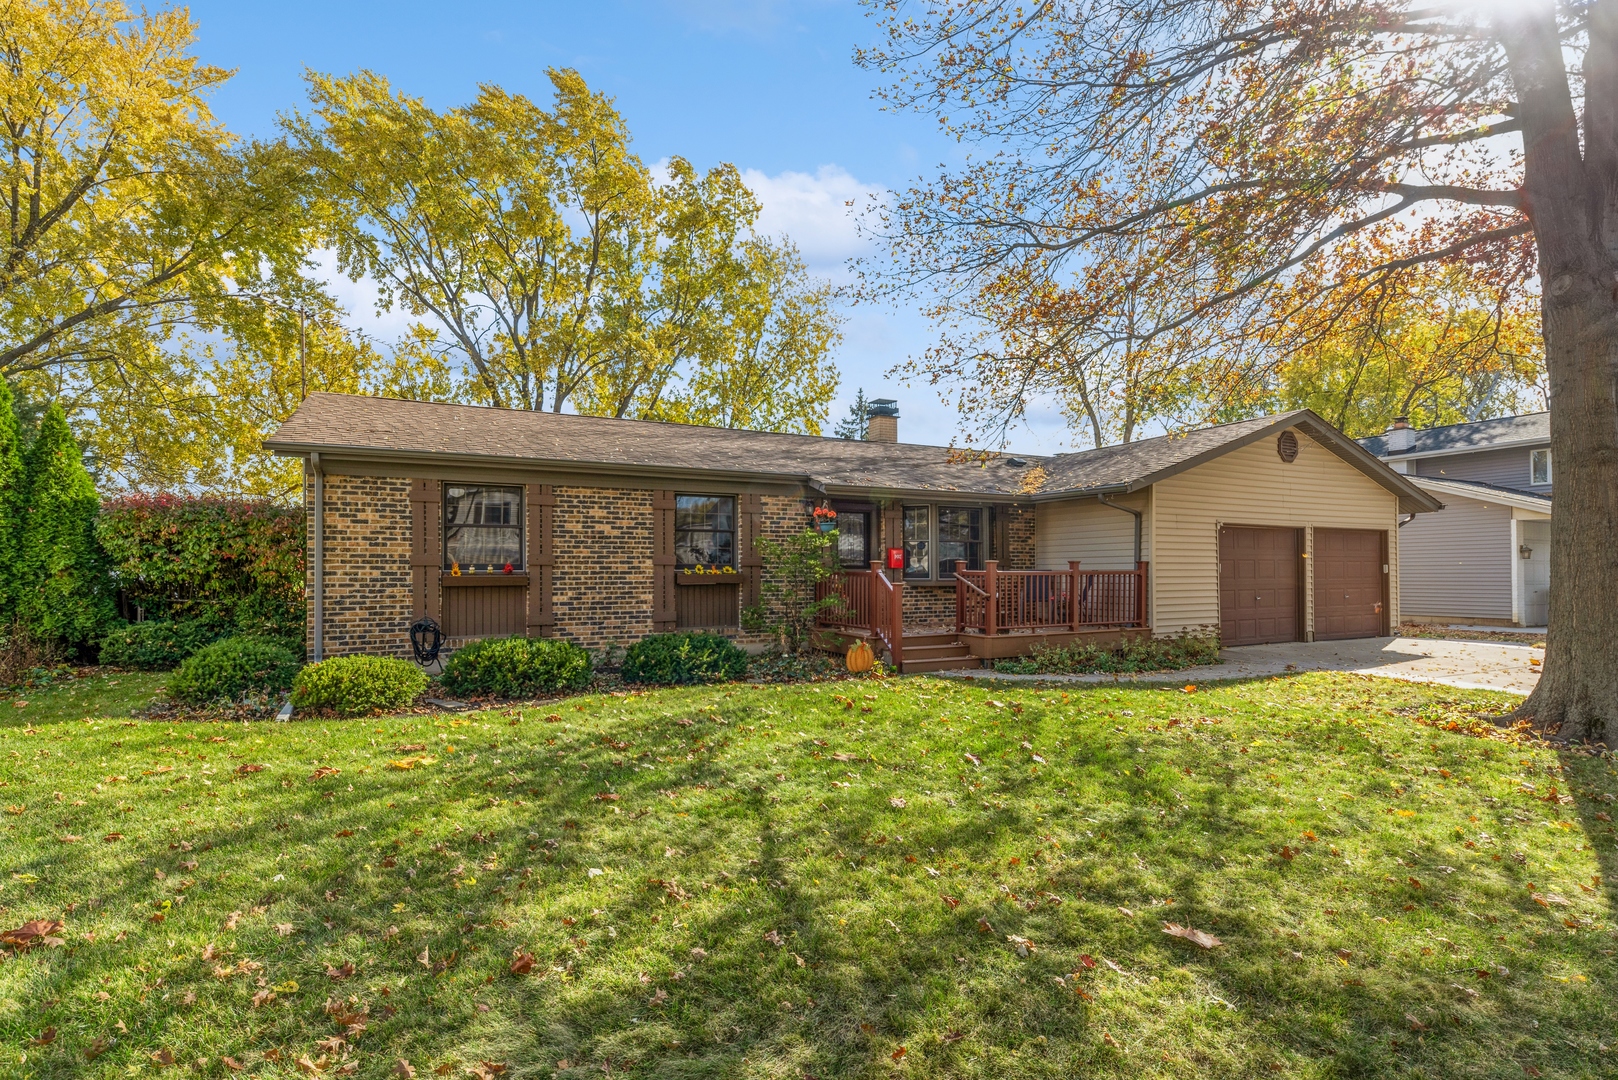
x,y
828,881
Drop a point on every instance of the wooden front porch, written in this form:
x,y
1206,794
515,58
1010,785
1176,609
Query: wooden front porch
x,y
998,613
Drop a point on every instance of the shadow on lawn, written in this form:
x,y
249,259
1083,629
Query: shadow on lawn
x,y
905,971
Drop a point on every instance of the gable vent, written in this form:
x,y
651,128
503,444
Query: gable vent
x,y
1287,446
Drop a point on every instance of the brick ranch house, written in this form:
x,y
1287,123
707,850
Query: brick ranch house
x,y
496,522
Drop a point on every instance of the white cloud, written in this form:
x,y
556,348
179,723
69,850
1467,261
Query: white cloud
x,y
814,211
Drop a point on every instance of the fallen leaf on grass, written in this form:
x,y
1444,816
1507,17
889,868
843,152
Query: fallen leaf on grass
x,y
323,772
774,938
1196,937
899,1053
897,803
522,962
99,1047
243,770
113,837
340,973
486,1070
46,1037
1021,944
1548,899
404,1070
263,997
951,901
952,1037
163,1058
68,839
232,1064
1415,1025
210,953
1087,960
33,932
283,928
972,758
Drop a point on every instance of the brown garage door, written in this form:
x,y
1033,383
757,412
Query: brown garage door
x,y
1258,585
1348,583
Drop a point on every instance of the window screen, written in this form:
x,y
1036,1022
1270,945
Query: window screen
x,y
918,536
482,528
960,539
704,531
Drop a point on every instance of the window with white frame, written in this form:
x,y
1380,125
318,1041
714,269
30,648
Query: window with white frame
x,y
1539,467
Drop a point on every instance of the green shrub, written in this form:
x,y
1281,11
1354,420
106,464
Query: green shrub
x,y
1132,657
517,667
684,658
355,685
229,670
157,645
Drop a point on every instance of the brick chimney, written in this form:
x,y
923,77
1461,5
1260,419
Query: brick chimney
x,y
882,421
1401,436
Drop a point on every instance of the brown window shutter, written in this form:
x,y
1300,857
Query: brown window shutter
x,y
426,548
541,509
663,612
752,560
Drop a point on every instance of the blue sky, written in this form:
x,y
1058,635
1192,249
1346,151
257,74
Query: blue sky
x,y
769,85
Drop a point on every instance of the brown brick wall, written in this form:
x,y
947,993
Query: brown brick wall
x,y
367,574
928,606
1019,538
602,584
602,589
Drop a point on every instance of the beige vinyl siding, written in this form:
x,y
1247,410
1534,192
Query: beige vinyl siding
x,y
1099,537
1456,564
1253,486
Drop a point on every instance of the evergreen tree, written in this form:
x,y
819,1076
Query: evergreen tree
x,y
853,425
61,587
11,485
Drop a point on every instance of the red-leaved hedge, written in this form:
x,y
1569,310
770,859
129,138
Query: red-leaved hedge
x,y
235,562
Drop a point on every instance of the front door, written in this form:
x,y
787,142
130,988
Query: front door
x,y
1258,585
1349,599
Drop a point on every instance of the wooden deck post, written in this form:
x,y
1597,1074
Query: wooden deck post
x,y
897,645
991,599
1073,595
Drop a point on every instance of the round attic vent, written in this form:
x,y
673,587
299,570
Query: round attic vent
x,y
1287,446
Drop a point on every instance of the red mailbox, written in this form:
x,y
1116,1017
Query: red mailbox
x,y
896,558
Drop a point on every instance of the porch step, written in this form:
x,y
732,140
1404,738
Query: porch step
x,y
937,652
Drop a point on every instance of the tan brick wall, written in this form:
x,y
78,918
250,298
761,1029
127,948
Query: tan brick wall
x,y
367,572
601,587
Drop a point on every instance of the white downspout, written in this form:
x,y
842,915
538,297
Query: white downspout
x,y
318,596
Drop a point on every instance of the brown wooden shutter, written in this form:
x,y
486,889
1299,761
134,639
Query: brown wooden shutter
x,y
541,510
751,527
663,607
892,535
426,548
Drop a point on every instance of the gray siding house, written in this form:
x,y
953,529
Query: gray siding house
x,y
1484,558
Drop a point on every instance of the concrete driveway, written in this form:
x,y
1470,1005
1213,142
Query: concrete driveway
x,y
1475,665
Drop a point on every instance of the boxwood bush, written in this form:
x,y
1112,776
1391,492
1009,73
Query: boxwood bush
x,y
229,670
355,685
684,658
157,645
517,667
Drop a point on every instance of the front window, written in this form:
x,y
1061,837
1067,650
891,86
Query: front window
x,y
1540,467
918,538
704,531
854,539
482,528
960,539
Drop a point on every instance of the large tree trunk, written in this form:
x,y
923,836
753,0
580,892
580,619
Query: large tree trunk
x,y
1570,192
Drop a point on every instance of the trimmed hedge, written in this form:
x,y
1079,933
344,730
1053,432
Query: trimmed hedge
x,y
229,670
684,658
156,646
355,685
517,667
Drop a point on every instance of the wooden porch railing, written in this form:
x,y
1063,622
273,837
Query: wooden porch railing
x,y
991,600
866,600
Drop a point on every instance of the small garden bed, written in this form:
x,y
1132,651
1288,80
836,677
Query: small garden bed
x,y
1137,656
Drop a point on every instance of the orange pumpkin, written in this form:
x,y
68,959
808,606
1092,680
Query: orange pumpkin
x,y
860,657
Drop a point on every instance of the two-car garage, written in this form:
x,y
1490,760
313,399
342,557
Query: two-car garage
x,y
1265,579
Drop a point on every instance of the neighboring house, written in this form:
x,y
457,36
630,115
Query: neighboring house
x,y
496,522
1486,558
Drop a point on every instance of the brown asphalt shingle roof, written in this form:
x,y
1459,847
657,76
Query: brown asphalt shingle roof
x,y
352,426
